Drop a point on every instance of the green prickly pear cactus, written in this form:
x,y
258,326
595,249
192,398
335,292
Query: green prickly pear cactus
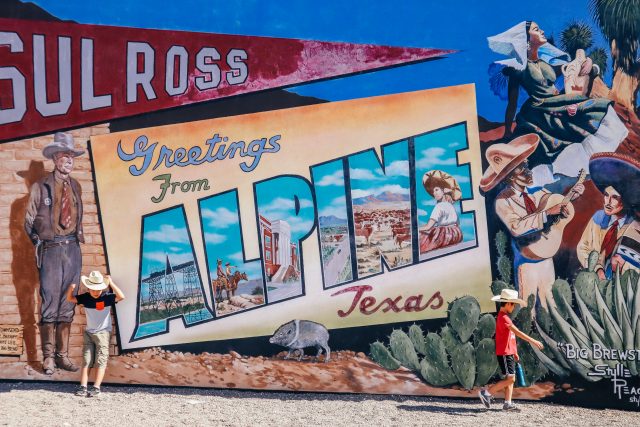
x,y
463,363
486,327
382,356
449,339
503,263
464,314
525,315
586,283
402,349
563,296
435,367
417,338
486,363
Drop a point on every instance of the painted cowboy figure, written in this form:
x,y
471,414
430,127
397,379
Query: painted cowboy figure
x,y
222,276
53,222
228,268
621,173
521,212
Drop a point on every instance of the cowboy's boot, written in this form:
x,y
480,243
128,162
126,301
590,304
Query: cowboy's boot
x,y
62,347
48,336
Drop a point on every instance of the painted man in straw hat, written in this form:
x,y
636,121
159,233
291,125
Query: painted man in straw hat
x,y
519,211
53,222
615,230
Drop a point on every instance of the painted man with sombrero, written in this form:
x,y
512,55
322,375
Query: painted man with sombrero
x,y
615,231
518,209
443,227
53,222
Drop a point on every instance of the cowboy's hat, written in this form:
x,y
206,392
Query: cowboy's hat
x,y
509,295
228,263
94,281
620,171
437,178
504,158
62,142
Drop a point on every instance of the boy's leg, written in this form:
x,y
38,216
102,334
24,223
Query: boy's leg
x,y
99,376
84,376
88,351
102,356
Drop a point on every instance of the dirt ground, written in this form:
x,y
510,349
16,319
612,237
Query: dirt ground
x,y
46,404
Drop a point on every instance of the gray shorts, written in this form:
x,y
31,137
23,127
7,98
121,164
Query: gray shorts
x,y
95,349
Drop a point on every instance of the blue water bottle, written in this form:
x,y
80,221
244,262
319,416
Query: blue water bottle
x,y
520,381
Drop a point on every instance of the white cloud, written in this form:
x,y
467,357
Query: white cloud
x,y
398,168
364,174
214,238
336,178
299,225
433,157
394,188
337,208
220,218
461,178
175,259
453,144
422,212
168,234
282,205
236,257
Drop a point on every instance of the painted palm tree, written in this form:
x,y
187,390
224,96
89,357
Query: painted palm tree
x,y
599,56
619,21
577,35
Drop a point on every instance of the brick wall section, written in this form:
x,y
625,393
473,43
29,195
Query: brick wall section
x,y
19,300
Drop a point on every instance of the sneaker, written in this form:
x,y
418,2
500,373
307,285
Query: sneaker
x,y
485,398
93,391
81,390
510,407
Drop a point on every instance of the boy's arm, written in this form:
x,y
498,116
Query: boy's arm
x,y
526,337
70,296
116,289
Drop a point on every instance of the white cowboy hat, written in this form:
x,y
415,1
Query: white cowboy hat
x,y
94,281
509,295
504,158
61,142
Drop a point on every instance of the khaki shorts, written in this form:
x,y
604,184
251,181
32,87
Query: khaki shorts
x,y
95,349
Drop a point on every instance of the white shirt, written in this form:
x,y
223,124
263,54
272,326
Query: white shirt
x,y
444,213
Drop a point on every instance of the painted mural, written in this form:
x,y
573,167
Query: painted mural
x,y
296,206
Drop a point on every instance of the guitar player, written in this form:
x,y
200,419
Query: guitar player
x,y
520,211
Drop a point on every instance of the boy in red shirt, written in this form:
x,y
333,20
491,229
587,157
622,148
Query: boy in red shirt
x,y
506,350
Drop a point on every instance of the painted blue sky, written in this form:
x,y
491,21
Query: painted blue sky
x,y
328,181
437,150
276,201
367,177
222,235
460,25
165,234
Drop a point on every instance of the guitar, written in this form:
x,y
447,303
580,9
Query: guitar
x,y
547,243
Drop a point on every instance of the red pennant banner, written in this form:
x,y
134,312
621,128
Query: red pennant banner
x,y
56,75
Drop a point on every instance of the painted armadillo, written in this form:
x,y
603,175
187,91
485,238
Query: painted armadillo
x,y
299,334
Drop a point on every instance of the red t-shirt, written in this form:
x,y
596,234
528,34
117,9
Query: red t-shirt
x,y
505,338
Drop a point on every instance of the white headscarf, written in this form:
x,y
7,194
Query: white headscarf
x,y
513,43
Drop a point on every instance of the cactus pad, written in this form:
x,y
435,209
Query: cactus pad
x,y
464,314
382,356
486,327
486,363
463,363
417,338
403,350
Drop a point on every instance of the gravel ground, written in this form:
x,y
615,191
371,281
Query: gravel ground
x,y
46,404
